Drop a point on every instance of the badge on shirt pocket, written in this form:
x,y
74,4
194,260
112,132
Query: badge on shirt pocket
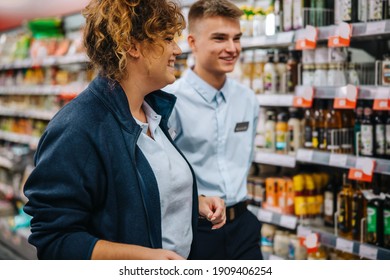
x,y
241,127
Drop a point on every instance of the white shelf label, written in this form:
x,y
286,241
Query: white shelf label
x,y
375,27
338,160
264,216
288,222
276,159
303,231
275,258
305,155
368,252
344,245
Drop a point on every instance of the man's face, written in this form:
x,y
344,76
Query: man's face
x,y
215,43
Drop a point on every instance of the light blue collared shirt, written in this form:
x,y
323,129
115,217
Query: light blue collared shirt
x,y
174,180
215,129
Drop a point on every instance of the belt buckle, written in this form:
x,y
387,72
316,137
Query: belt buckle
x,y
232,214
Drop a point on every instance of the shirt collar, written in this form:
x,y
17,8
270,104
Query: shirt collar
x,y
205,90
152,118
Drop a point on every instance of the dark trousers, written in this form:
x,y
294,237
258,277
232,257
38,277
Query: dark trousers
x,y
236,240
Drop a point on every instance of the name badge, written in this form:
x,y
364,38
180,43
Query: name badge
x,y
242,126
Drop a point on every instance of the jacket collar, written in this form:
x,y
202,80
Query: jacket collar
x,y
114,98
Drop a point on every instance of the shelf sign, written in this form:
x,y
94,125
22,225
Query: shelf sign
x,y
363,171
303,97
382,99
368,252
305,155
344,245
311,242
347,97
309,40
342,37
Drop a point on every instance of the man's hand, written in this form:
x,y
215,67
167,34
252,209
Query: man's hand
x,y
213,209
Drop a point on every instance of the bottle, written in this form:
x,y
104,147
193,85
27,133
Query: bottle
x,y
374,10
308,75
380,134
247,68
278,8
330,200
367,133
281,133
348,11
347,127
318,133
357,128
345,209
374,214
270,74
300,13
332,129
270,132
258,72
387,129
281,69
292,71
358,210
287,15
308,129
294,131
386,220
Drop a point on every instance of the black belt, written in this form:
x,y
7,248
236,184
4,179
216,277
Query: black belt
x,y
235,211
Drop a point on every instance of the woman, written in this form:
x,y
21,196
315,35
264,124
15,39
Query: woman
x,y
109,182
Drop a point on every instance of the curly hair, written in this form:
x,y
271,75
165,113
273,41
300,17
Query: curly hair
x,y
112,26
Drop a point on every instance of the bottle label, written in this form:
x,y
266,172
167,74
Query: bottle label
x,y
371,219
328,204
281,140
380,139
386,217
387,139
308,137
367,136
332,139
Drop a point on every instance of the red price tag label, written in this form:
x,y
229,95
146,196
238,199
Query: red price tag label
x,y
304,97
342,37
346,98
363,171
382,99
308,39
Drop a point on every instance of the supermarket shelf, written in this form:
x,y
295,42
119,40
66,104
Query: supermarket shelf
x,y
269,217
17,241
339,160
40,90
19,138
327,238
274,159
275,100
45,62
34,114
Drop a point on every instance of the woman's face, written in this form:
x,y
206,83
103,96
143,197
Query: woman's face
x,y
160,62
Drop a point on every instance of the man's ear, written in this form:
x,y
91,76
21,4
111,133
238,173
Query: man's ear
x,y
135,49
191,42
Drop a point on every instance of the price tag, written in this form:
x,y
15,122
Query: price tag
x,y
382,99
303,97
264,216
347,98
375,27
342,37
344,245
308,40
338,160
368,252
303,231
253,209
285,37
305,155
288,222
363,170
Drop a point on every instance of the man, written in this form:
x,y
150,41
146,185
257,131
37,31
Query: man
x,y
214,124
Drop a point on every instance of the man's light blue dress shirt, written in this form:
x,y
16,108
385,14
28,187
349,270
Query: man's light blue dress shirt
x,y
215,129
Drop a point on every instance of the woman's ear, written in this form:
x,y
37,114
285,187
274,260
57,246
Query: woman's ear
x,y
135,49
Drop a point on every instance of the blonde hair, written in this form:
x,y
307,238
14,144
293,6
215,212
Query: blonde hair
x,y
113,25
211,8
